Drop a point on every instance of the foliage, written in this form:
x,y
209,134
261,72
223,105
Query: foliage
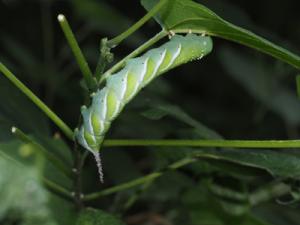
x,y
234,93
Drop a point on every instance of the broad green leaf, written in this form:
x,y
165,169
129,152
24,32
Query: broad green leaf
x,y
275,162
22,196
91,216
185,15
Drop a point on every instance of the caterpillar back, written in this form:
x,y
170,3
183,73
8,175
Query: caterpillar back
x,y
122,86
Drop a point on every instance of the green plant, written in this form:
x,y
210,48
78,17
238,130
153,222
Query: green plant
x,y
218,204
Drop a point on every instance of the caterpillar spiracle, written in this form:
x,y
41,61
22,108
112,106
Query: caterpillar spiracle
x,y
121,87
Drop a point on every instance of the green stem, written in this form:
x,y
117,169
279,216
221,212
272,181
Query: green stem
x,y
136,52
105,57
57,189
83,65
203,143
138,181
52,158
115,41
65,129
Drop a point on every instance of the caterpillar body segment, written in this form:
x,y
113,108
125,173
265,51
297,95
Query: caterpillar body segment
x,y
122,86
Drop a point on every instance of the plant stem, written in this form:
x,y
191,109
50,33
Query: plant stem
x,y
146,179
105,57
136,52
203,143
77,182
65,129
52,158
83,65
115,41
57,189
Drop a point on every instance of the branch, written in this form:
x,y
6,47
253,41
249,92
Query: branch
x,y
203,143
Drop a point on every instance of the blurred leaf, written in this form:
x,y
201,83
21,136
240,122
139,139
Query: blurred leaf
x,y
23,198
104,17
91,216
183,15
21,54
161,191
204,208
166,109
260,83
17,110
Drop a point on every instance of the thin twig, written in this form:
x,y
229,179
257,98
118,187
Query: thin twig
x,y
274,144
115,41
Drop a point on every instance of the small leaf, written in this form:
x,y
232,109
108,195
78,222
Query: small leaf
x,y
91,216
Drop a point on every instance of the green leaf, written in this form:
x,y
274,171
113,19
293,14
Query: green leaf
x,y
91,216
275,162
185,15
23,198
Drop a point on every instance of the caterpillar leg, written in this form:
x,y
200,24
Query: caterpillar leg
x,y
171,34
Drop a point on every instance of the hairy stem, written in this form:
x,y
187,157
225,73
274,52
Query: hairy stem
x,y
115,41
65,129
203,143
136,52
83,65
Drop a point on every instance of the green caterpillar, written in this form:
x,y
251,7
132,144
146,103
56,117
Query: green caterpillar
x,y
108,102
